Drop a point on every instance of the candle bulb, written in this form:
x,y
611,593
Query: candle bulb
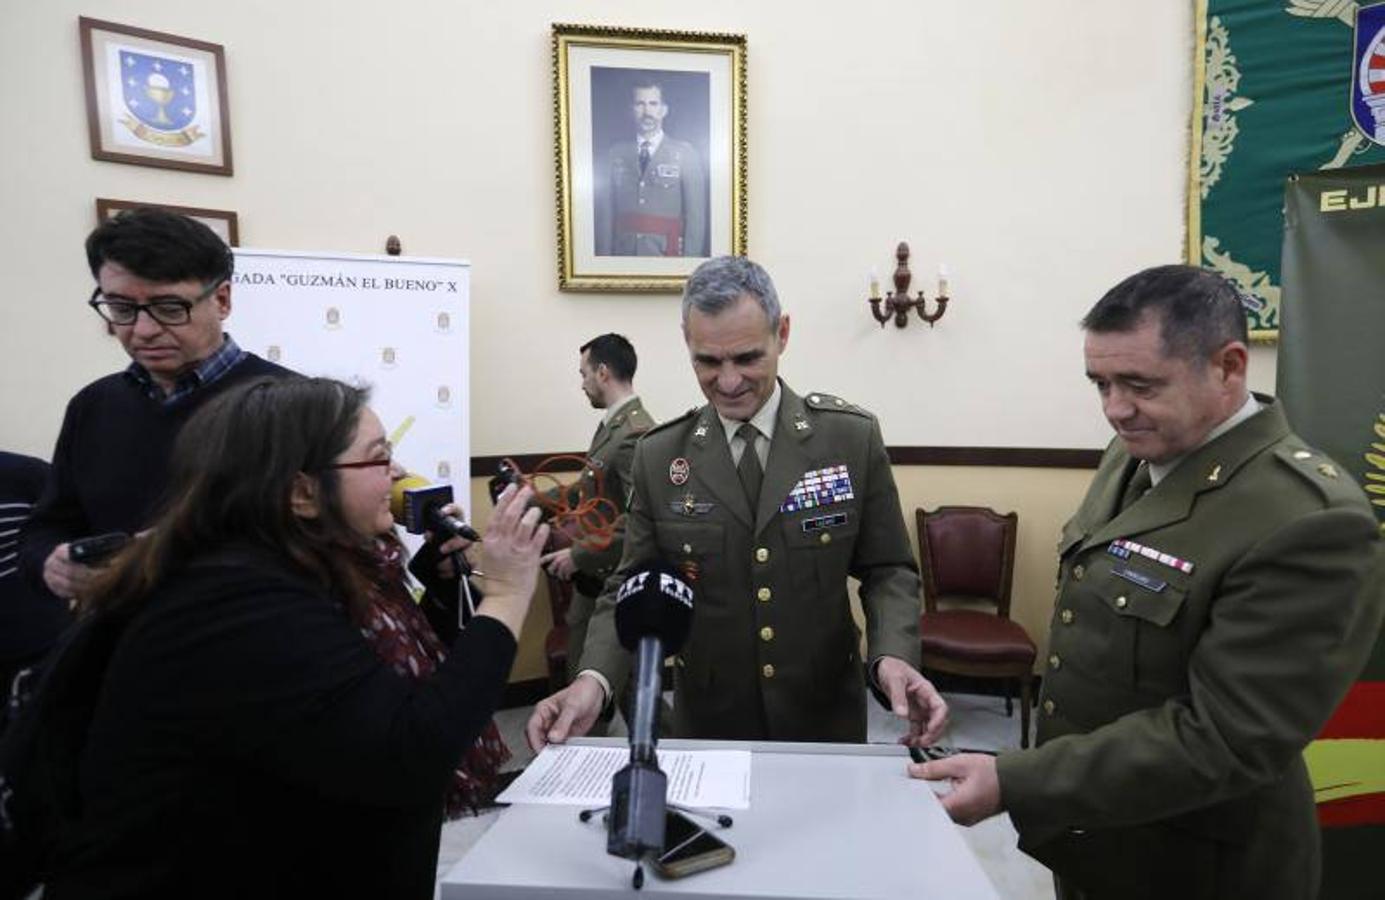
x,y
942,279
874,286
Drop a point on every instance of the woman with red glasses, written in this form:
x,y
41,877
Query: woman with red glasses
x,y
240,738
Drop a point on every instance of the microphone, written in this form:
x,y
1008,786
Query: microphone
x,y
417,507
654,607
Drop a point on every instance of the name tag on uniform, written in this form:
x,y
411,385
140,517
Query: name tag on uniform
x,y
1147,582
818,523
664,170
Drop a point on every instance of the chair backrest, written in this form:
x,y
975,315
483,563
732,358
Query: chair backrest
x,y
967,552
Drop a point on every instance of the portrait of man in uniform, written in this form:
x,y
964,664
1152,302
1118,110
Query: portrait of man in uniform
x,y
649,156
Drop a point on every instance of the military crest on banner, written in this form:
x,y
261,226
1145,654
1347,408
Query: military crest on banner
x,y
1368,73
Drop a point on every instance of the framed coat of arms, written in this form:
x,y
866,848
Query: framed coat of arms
x,y
155,99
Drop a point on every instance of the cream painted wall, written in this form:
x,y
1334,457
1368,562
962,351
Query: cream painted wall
x,y
1039,149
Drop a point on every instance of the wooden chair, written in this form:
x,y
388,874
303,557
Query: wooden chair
x,y
967,555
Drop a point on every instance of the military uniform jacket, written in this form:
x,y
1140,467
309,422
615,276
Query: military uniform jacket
x,y
1200,639
642,211
773,652
612,453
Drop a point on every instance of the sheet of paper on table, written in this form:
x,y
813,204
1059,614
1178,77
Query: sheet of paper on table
x,y
581,776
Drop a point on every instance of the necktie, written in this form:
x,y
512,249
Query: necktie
x,y
644,156
1139,483
749,468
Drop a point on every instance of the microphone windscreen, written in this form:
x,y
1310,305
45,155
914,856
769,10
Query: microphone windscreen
x,y
655,600
398,509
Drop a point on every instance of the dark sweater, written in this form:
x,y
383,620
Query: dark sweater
x,y
110,465
248,743
29,622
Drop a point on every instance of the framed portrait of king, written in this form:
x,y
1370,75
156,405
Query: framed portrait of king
x,y
650,145
155,99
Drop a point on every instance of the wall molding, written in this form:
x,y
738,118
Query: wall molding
x,y
998,457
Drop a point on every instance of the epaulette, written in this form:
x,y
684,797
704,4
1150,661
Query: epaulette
x,y
1320,471
674,421
821,401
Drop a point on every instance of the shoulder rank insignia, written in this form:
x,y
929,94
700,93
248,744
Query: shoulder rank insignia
x,y
1328,470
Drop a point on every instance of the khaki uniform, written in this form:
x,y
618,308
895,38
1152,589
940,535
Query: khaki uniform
x,y
773,652
1190,666
662,212
612,453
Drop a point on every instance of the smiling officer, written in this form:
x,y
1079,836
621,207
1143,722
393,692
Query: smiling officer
x,y
1219,590
767,501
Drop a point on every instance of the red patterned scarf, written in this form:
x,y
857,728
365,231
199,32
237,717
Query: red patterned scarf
x,y
404,641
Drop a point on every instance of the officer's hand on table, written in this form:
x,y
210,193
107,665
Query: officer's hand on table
x,y
64,577
568,713
559,564
975,787
913,697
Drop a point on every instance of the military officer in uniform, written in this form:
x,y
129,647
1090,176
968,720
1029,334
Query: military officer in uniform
x,y
1219,589
767,501
607,367
654,202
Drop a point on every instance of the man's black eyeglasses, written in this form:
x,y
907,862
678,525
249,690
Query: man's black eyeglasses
x,y
164,310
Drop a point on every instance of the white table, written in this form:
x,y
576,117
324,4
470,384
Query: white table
x,y
826,822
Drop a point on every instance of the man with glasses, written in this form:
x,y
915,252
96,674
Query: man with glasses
x,y
163,284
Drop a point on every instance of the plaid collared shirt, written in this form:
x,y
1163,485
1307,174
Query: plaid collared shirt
x,y
206,372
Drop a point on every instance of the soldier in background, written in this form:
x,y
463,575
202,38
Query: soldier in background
x,y
607,367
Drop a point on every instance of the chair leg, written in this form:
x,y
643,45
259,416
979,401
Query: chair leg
x,y
1009,700
1026,688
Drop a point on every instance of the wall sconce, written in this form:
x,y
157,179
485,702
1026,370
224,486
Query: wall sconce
x,y
897,302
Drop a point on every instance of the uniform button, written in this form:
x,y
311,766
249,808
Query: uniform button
x,y
1048,707
1055,662
766,634
1066,616
825,538
762,555
767,671
815,398
763,594
687,548
1078,571
1121,602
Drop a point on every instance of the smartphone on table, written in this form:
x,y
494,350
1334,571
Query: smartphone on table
x,y
689,848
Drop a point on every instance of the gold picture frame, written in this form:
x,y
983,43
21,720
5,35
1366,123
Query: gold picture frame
x,y
650,146
155,99
224,222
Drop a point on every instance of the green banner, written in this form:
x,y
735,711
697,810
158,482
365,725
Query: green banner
x,y
1272,95
1331,379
